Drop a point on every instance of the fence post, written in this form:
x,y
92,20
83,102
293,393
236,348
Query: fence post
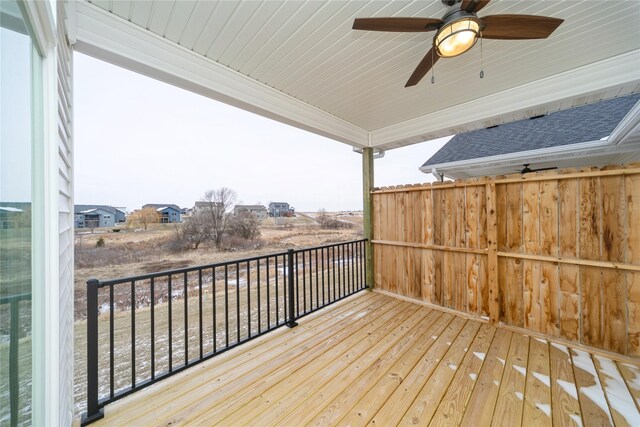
x,y
492,253
292,315
367,186
93,412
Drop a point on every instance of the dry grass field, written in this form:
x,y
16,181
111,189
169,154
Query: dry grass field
x,y
134,252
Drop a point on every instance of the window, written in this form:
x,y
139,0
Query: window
x,y
19,69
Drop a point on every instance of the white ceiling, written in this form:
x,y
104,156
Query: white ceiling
x,y
308,51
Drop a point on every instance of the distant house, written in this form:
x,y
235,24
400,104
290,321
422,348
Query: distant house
x,y
258,211
278,209
93,216
11,217
200,206
161,205
588,135
169,215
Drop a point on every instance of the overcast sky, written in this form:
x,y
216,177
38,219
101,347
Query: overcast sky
x,y
138,140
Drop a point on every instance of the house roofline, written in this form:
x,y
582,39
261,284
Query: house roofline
x,y
625,137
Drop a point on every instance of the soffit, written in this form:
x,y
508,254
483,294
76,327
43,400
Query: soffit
x,y
307,50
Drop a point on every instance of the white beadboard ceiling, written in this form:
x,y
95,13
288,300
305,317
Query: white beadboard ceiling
x,y
308,51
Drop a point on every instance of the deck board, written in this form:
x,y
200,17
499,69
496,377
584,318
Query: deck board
x,y
373,359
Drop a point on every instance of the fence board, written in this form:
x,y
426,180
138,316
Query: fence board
x,y
531,217
568,236
632,187
589,242
549,220
427,216
613,215
591,292
471,241
557,254
549,294
614,285
569,303
633,306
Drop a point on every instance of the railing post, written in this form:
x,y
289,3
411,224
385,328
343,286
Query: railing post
x,y
93,412
292,315
14,385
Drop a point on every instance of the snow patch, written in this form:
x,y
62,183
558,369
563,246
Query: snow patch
x,y
542,378
473,376
452,366
519,395
448,342
569,388
561,347
496,383
634,382
544,408
576,419
582,360
619,398
541,340
520,369
480,355
501,360
434,337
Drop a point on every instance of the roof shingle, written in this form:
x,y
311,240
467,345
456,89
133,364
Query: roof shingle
x,y
579,124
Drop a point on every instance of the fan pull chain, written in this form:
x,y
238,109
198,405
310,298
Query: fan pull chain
x,y
433,79
481,59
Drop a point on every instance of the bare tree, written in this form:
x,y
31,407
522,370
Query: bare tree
x,y
195,231
322,218
245,225
329,223
217,206
145,217
91,224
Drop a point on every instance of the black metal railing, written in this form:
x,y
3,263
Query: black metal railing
x,y
145,328
14,302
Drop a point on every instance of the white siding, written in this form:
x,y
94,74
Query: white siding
x,y
65,207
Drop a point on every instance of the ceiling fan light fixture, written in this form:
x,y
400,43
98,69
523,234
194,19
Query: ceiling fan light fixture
x,y
457,36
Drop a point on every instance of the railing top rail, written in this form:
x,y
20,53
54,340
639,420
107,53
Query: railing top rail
x,y
184,270
163,273
328,245
15,298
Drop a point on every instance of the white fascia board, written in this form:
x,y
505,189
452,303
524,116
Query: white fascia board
x,y
628,130
108,37
583,149
612,72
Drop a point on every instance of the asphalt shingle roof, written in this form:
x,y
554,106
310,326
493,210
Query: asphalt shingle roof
x,y
579,124
83,208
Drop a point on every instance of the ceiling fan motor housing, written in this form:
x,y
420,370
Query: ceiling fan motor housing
x,y
450,2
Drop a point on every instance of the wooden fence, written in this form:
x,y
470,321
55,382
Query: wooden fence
x,y
557,252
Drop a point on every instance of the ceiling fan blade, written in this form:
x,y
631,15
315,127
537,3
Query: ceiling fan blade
x,y
545,169
518,27
423,68
472,6
415,25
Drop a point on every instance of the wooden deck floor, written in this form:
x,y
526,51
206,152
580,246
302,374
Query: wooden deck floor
x,y
373,359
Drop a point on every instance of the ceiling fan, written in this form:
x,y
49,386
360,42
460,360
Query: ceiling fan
x,y
527,169
460,28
